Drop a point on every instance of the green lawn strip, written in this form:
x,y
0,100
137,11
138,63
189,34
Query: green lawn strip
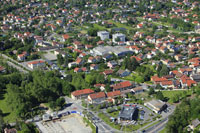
x,y
152,124
164,130
90,124
107,120
8,115
172,93
114,114
130,128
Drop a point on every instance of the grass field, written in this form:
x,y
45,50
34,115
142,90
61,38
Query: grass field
x,y
171,94
8,114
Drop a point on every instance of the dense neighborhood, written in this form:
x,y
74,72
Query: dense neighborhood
x,y
105,66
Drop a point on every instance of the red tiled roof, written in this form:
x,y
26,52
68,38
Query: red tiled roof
x,y
107,72
82,92
113,93
157,79
2,68
65,36
169,82
97,95
36,62
122,85
99,85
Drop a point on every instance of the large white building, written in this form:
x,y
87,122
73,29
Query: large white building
x,y
103,35
118,35
156,105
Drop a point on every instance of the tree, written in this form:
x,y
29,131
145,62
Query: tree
x,y
151,91
164,71
60,59
60,102
92,32
1,122
159,95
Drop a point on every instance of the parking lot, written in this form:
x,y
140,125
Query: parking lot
x,y
69,124
49,55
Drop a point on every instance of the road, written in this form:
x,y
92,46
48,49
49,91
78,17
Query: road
x,y
158,127
13,63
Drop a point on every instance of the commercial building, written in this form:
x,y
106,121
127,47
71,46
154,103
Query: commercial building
x,y
120,36
156,105
128,112
117,50
103,35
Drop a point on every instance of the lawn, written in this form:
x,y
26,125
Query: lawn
x,y
119,25
114,114
99,27
8,115
171,94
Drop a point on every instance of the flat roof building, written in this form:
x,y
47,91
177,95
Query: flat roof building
x,y
103,35
156,105
120,36
128,112
117,50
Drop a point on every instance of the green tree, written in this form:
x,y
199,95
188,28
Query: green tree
x,y
151,91
60,59
164,71
159,95
60,102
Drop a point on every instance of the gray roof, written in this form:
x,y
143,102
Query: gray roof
x,y
157,103
127,111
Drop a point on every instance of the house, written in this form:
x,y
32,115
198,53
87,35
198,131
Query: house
x,y
140,26
94,67
79,61
78,45
120,36
113,94
103,35
22,56
112,64
187,81
156,105
157,80
123,73
108,72
167,84
137,90
91,59
72,64
101,86
83,69
122,86
80,94
127,113
2,69
97,98
57,52
194,123
36,64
